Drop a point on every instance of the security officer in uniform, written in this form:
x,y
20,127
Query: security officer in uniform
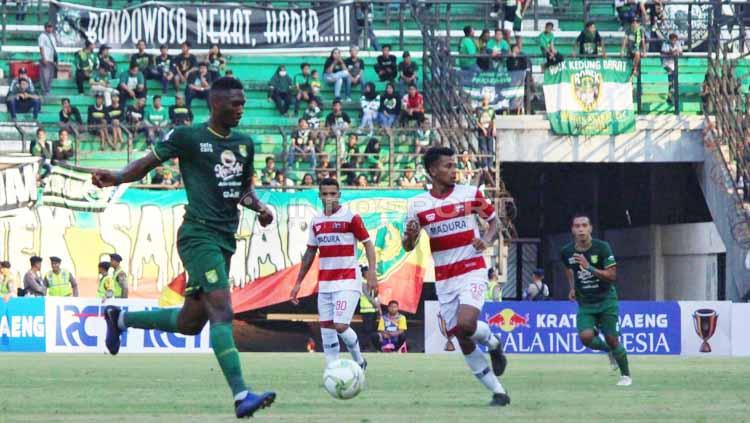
x,y
59,282
107,286
119,275
494,288
7,281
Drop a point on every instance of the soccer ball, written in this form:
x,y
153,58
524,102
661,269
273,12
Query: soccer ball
x,y
343,379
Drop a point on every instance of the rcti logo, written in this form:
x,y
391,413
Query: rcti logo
x,y
507,320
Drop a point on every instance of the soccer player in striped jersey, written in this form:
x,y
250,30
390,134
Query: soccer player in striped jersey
x,y
448,213
334,233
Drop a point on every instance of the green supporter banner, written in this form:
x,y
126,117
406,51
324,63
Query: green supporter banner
x,y
590,97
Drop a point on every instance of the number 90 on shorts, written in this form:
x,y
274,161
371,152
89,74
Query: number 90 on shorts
x,y
337,306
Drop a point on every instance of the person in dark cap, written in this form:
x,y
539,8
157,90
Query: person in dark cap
x,y
59,282
86,62
119,275
494,287
537,289
33,284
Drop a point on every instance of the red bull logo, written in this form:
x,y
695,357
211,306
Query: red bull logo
x,y
508,320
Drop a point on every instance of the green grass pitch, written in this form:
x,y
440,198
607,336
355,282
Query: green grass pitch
x,y
400,388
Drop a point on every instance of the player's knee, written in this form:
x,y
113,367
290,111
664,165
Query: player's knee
x,y
586,337
326,324
467,327
341,327
193,328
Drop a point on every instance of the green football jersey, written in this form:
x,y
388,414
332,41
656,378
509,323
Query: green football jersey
x,y
589,288
215,170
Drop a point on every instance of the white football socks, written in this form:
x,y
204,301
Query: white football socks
x,y
330,344
481,369
352,344
483,335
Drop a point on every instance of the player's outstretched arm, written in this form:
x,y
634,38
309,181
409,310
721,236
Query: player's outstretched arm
x,y
134,171
371,275
307,260
490,235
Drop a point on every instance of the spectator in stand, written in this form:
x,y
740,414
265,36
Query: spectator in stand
x,y
485,115
180,114
85,65
670,51
268,173
392,329
183,64
281,181
589,43
99,84
197,86
465,168
390,107
145,62
408,180
412,107
356,68
468,50
40,147
312,115
635,41
630,10
498,48
484,63
279,90
385,66
136,114
537,289
63,150
407,71
303,146
216,63
362,181
315,85
23,74
97,120
104,60
156,120
33,283
163,69
48,61
362,13
337,121
21,97
518,62
60,282
308,180
547,45
8,283
352,159
370,103
302,88
335,73
373,159
70,118
659,25
132,85
115,116
325,168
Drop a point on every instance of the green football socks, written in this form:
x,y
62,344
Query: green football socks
x,y
163,319
227,355
598,344
622,360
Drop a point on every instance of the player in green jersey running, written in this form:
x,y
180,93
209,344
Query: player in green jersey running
x,y
216,166
591,271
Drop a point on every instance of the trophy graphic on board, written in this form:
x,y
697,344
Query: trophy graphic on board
x,y
705,320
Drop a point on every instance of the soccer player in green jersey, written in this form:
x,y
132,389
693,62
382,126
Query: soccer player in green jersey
x,y
591,271
216,166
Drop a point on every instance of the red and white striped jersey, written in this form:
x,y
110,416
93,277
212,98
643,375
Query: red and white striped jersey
x,y
451,224
336,238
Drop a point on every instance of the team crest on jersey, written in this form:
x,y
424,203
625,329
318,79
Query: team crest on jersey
x,y
459,208
243,150
337,225
212,276
229,168
594,259
317,228
430,217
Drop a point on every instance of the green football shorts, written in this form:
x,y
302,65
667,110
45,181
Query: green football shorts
x,y
601,317
205,254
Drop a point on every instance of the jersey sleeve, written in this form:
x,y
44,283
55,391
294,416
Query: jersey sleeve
x,y
402,323
169,148
482,206
564,259
609,256
359,230
312,240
